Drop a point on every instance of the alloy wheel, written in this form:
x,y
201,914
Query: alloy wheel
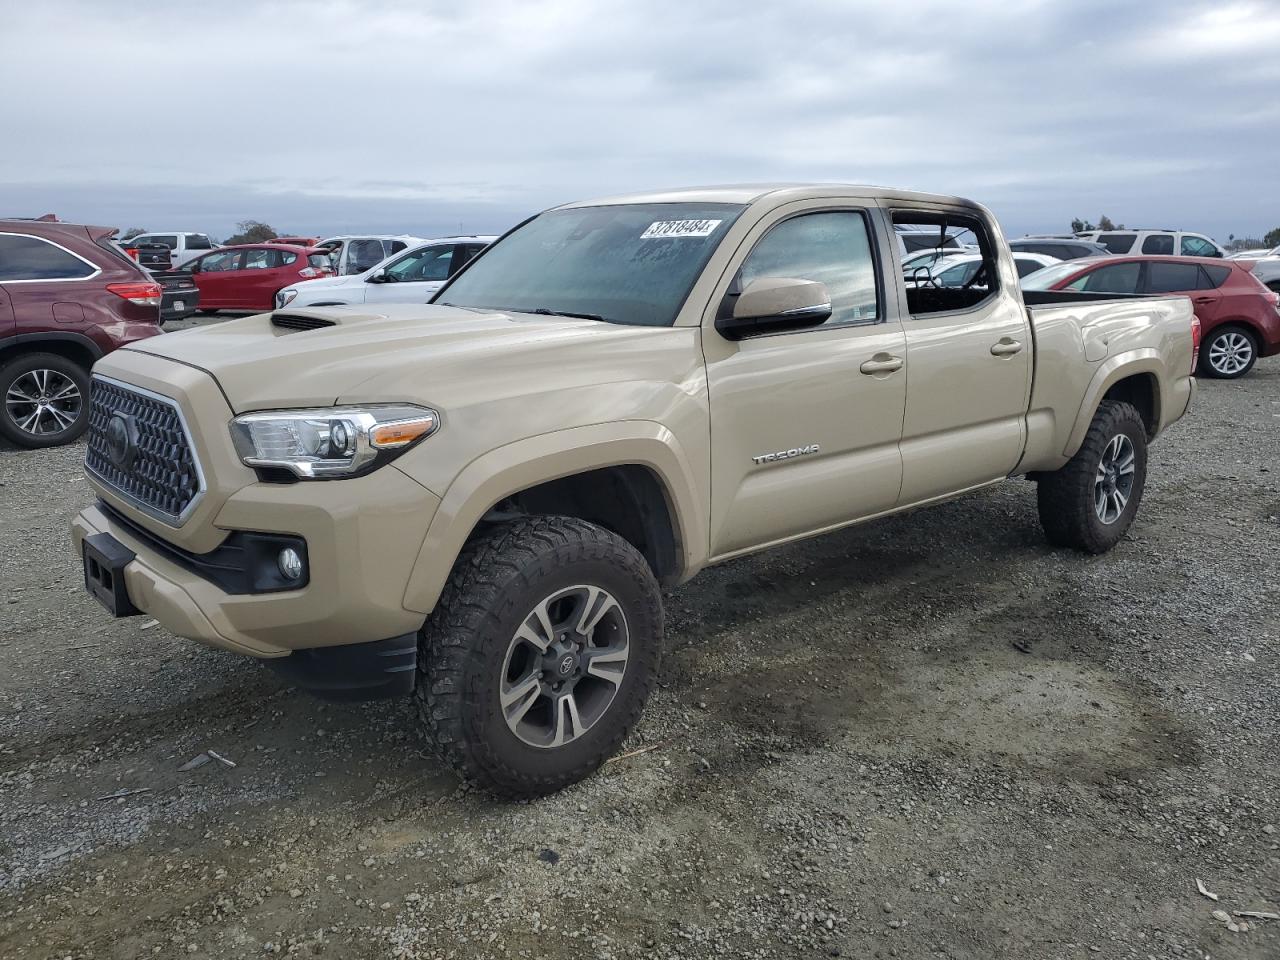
x,y
1113,483
43,402
1230,353
564,666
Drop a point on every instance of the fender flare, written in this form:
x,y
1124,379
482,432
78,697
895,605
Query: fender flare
x,y
1110,372
500,473
79,339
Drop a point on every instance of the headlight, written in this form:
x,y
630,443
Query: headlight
x,y
331,443
285,297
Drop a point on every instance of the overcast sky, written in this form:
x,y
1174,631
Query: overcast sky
x,y
433,117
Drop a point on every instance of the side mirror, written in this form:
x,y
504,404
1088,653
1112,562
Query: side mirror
x,y
774,305
379,276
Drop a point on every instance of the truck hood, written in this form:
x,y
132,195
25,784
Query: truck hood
x,y
400,352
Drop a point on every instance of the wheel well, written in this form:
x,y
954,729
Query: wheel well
x,y
628,500
1143,392
70,349
1239,324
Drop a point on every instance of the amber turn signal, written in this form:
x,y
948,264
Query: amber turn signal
x,y
388,436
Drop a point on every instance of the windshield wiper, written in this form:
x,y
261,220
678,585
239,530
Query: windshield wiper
x,y
543,311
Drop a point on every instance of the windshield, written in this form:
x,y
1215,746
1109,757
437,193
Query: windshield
x,y
627,263
1046,278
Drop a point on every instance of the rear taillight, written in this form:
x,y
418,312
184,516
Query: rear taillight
x,y
1195,342
143,294
132,251
309,273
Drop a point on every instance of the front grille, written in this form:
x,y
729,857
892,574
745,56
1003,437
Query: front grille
x,y
291,321
156,469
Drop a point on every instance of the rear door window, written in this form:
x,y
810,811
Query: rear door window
x,y
198,241
261,259
1113,278
1172,277
1117,242
1026,266
363,254
1214,277
1158,244
31,258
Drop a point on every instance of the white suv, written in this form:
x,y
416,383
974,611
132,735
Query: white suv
x,y
1170,243
352,255
411,276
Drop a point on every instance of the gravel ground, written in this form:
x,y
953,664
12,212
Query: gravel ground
x,y
930,737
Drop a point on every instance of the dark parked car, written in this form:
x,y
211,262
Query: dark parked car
x,y
1063,248
153,256
181,296
1239,316
68,295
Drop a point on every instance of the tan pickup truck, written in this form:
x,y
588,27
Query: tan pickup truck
x,y
477,501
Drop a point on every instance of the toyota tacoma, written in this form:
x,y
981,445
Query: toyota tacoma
x,y
478,501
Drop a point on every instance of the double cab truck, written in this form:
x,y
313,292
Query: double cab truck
x,y
477,502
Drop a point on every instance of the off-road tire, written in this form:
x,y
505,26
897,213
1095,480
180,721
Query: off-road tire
x,y
1206,368
495,583
1066,496
14,370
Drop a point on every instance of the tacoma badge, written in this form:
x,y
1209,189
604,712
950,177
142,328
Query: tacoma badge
x,y
786,454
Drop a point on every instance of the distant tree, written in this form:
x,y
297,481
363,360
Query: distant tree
x,y
1272,239
1104,223
1080,226
252,231
133,232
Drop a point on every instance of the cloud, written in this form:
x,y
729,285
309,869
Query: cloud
x,y
308,113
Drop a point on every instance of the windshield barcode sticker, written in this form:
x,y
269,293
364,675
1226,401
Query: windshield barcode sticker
x,y
666,229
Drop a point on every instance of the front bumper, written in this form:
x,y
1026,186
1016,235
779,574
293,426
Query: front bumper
x,y
362,537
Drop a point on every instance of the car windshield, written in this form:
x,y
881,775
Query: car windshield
x,y
625,263
1046,278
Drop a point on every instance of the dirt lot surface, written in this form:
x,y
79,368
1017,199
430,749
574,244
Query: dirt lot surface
x,y
930,737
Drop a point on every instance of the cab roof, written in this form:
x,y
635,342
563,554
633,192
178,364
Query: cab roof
x,y
774,194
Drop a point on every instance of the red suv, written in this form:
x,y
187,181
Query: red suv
x,y
68,295
1239,316
246,277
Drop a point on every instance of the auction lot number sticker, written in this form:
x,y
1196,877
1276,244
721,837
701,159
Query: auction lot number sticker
x,y
668,229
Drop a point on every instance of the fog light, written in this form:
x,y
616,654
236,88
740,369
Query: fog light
x,y
290,563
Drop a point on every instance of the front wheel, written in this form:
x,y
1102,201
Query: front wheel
x,y
1228,353
538,659
1090,502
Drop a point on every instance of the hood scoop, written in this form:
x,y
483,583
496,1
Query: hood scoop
x,y
296,321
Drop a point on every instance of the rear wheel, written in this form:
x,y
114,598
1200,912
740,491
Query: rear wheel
x,y
46,400
1228,352
540,655
1090,502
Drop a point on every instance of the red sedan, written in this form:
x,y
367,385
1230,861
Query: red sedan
x,y
246,277
1239,316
